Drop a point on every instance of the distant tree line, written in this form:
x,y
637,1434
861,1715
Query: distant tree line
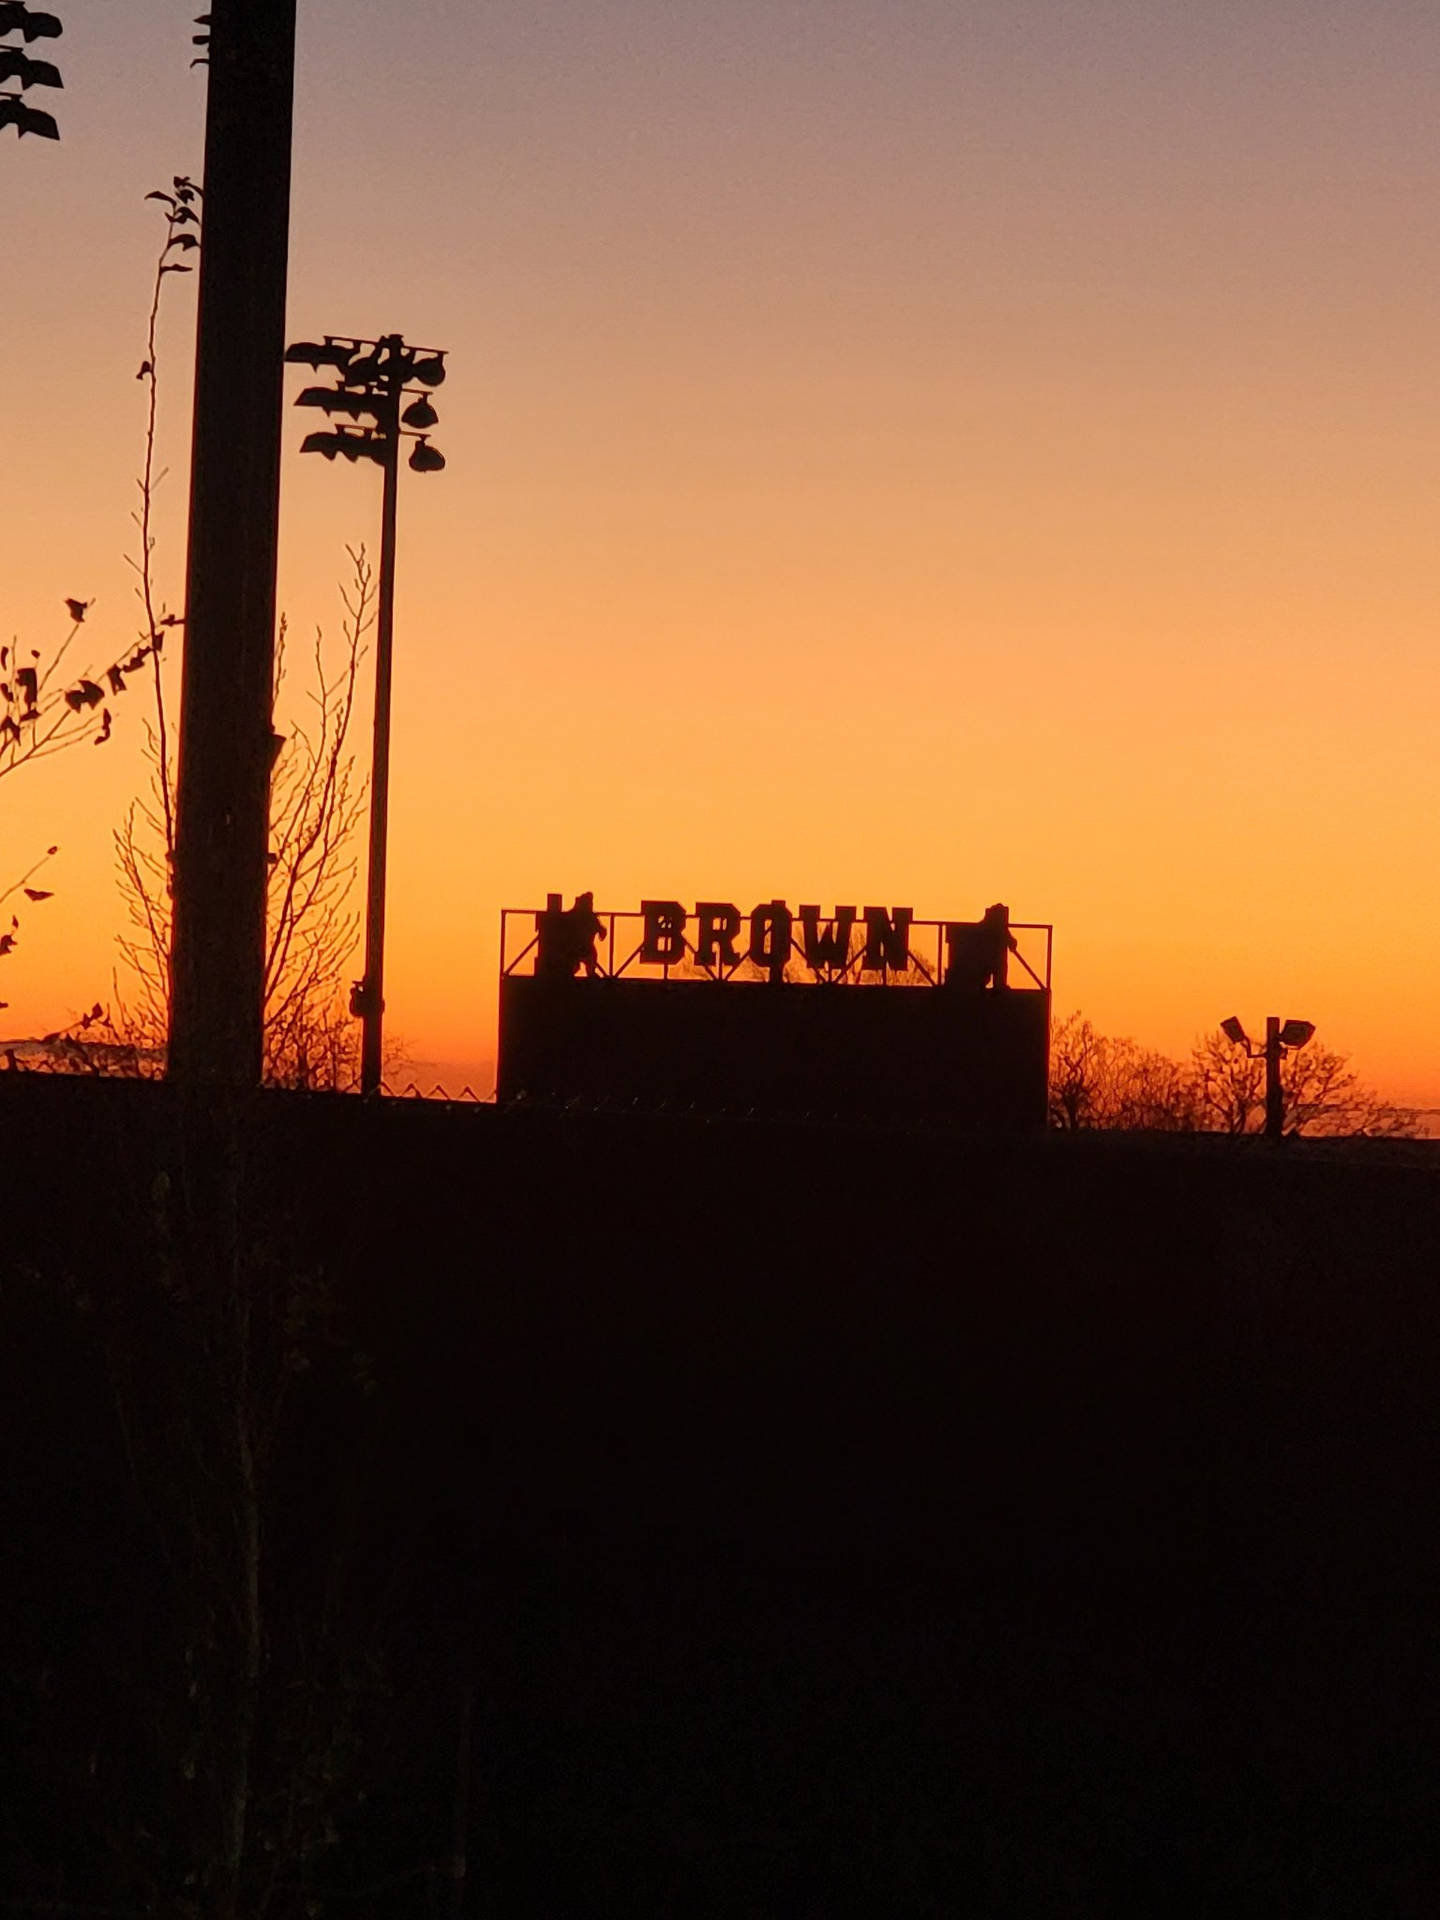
x,y
1098,1081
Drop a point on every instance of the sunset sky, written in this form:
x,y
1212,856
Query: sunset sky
x,y
900,450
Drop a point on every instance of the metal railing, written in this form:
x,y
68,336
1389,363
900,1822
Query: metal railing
x,y
619,954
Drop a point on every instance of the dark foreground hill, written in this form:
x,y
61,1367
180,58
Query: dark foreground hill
x,y
800,1520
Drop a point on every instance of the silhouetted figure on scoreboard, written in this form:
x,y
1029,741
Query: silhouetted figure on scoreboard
x,y
977,952
565,938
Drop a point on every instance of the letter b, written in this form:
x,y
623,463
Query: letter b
x,y
664,940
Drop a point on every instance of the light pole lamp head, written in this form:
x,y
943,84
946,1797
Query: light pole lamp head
x,y
353,446
14,112
420,414
17,65
427,459
1295,1033
355,406
1234,1032
317,354
16,17
430,371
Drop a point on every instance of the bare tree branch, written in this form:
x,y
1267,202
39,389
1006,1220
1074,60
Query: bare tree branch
x,y
316,808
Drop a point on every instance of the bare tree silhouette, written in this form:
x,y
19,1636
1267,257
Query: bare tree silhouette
x,y
1097,1081
44,710
316,807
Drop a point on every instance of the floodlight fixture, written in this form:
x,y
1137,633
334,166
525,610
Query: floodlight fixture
x,y
352,446
374,381
355,406
1280,1038
420,415
317,354
15,64
16,17
26,119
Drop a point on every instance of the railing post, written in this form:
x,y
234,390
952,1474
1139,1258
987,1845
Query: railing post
x,y
1274,1092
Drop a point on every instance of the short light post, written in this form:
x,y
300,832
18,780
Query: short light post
x,y
1281,1037
373,379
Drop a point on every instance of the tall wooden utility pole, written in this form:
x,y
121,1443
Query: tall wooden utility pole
x,y
223,798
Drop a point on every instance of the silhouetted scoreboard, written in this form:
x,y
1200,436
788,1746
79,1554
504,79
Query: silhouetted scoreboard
x,y
861,1013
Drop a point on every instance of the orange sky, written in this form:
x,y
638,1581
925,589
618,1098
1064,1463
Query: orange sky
x,y
896,453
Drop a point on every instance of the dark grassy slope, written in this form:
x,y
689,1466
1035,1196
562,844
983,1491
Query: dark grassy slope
x,y
837,1518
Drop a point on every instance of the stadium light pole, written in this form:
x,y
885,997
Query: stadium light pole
x,y
223,792
373,378
1281,1037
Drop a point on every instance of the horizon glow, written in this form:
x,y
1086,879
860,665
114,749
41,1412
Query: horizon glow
x,y
902,451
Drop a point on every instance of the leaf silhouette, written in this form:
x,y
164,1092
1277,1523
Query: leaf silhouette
x,y
38,893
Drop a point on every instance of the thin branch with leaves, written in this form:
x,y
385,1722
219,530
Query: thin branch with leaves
x,y
182,223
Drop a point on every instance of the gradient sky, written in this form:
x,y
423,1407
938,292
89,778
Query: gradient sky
x,y
918,452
